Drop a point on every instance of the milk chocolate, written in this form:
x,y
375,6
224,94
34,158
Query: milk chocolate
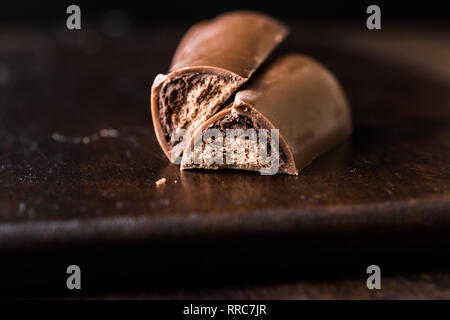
x,y
213,59
293,94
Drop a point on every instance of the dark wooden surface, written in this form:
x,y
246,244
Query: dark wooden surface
x,y
434,285
381,198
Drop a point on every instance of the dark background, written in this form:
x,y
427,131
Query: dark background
x,y
79,82
33,13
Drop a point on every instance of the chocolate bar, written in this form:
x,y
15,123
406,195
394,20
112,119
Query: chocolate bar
x,y
213,59
293,94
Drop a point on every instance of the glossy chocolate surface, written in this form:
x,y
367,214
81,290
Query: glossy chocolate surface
x,y
212,61
300,98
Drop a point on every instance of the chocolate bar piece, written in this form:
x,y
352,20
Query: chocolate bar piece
x,y
213,59
293,94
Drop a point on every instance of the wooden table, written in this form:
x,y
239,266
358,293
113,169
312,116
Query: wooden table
x,y
79,161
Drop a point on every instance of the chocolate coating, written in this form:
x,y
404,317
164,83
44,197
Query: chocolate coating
x,y
212,61
299,97
238,42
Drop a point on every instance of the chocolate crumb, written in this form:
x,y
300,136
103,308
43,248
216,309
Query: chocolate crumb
x,y
160,182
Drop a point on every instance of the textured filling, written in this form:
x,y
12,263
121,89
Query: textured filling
x,y
187,101
247,153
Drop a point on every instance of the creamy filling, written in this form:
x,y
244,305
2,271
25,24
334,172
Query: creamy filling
x,y
242,149
188,101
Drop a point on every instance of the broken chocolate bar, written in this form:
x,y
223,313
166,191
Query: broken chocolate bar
x,y
213,59
293,94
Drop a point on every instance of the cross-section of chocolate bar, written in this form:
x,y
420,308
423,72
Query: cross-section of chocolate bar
x,y
213,59
294,95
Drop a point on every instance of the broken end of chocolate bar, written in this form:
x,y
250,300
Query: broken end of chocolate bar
x,y
294,100
239,138
213,59
182,100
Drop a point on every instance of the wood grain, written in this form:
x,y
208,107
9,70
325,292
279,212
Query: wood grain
x,y
72,191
